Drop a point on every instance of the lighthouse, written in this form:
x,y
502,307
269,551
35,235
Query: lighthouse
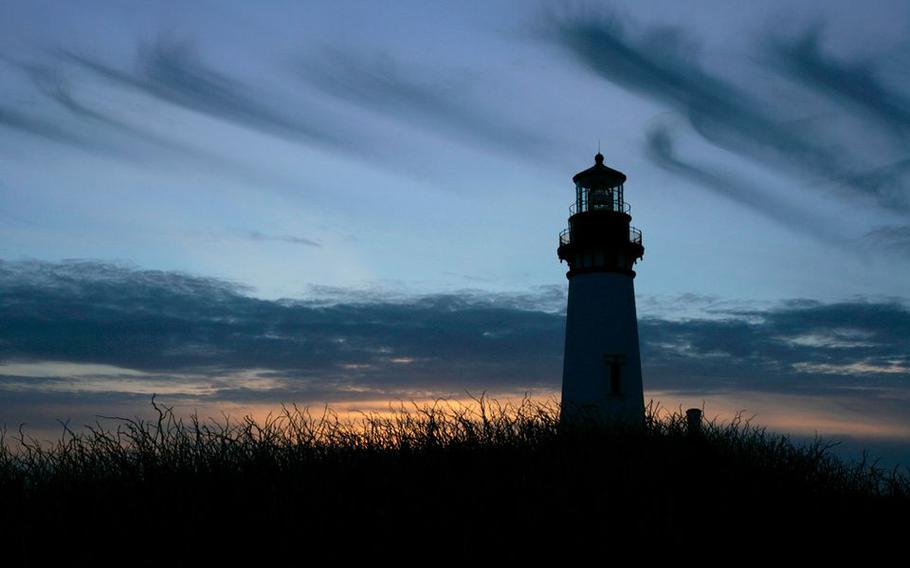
x,y
601,376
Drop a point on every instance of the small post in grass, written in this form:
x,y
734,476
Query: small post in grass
x,y
693,422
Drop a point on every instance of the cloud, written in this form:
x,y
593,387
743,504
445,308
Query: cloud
x,y
661,63
290,239
159,322
94,130
210,335
891,238
660,148
52,84
853,83
172,72
787,348
53,131
380,84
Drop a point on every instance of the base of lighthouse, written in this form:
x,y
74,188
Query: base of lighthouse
x,y
602,367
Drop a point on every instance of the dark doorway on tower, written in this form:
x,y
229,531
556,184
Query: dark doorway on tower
x,y
613,364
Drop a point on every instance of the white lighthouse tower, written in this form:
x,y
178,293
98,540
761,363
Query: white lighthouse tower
x,y
601,376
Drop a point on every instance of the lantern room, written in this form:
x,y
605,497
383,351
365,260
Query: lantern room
x,y
600,188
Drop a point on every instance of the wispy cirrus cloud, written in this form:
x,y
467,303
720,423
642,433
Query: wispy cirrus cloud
x,y
662,64
891,238
61,116
427,99
173,72
50,130
660,148
97,130
855,83
290,239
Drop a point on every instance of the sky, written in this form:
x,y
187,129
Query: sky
x,y
235,205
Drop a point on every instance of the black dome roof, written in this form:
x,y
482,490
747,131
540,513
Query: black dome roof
x,y
599,175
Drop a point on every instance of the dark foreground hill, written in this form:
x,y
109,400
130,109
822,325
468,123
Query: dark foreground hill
x,y
431,484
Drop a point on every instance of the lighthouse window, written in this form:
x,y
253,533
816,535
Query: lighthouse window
x,y
613,371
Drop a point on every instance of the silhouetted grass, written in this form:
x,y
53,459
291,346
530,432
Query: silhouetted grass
x,y
444,480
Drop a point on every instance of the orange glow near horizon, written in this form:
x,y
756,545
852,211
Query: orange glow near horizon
x,y
355,410
783,413
829,416
840,414
794,414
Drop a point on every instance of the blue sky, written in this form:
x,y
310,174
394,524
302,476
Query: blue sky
x,y
405,168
